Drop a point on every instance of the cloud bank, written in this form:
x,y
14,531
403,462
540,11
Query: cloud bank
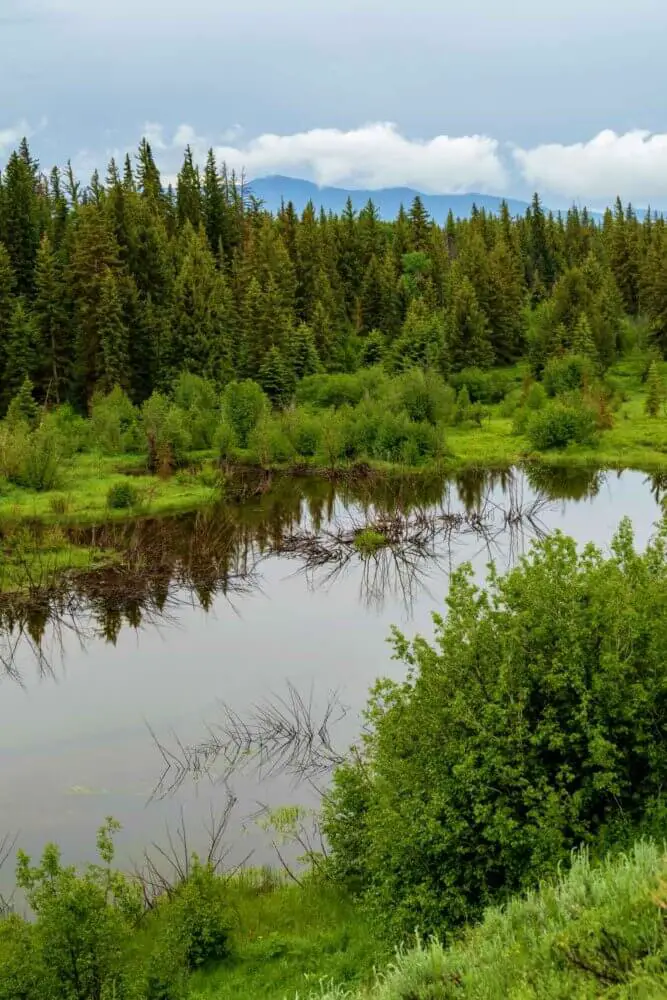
x,y
632,165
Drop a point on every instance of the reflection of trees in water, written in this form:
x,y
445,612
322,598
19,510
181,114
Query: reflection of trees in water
x,y
166,563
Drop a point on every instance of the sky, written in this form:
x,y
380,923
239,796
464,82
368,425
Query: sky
x,y
495,96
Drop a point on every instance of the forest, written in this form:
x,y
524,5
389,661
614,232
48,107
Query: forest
x,y
497,828
124,282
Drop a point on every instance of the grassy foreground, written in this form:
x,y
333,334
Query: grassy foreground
x,y
598,932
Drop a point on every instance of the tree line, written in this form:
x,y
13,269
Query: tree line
x,y
128,282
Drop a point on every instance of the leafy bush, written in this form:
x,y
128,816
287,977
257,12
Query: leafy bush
x,y
225,441
567,374
535,722
72,430
306,433
32,459
535,397
198,919
198,398
423,395
114,423
269,442
483,386
243,405
122,496
561,423
597,932
325,391
166,433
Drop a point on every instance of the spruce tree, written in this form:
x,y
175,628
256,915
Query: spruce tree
x,y
7,302
275,377
53,325
19,226
468,338
21,353
113,336
303,356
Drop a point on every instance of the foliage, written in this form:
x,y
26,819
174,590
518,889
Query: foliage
x,y
198,398
567,374
655,391
23,409
166,433
534,722
560,423
243,404
597,932
114,422
122,496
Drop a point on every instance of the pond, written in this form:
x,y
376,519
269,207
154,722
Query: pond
x,y
239,606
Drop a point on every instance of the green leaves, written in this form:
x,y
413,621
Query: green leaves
x,y
535,720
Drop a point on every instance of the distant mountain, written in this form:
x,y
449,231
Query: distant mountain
x,y
273,190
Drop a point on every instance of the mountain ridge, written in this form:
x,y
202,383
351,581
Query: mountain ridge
x,y
275,188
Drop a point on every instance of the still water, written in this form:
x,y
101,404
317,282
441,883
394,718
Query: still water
x,y
228,609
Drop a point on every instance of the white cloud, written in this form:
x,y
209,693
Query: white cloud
x,y
632,165
373,156
12,135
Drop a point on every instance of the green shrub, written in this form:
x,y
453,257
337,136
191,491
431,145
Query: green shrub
x,y
122,496
166,433
198,918
306,433
536,397
394,431
527,728
463,405
422,395
32,459
483,386
269,442
243,405
368,541
225,441
114,423
567,374
72,430
325,391
561,423
596,933
198,398
511,403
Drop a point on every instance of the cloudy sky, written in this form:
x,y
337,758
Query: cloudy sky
x,y
500,96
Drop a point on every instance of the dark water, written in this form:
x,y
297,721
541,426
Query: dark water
x,y
231,606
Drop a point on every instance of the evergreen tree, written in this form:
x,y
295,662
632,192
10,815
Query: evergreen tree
x,y
7,302
113,336
303,356
53,324
582,339
148,175
275,377
21,352
23,409
468,339
19,229
188,192
419,226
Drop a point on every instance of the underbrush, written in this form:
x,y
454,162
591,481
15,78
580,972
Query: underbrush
x,y
599,931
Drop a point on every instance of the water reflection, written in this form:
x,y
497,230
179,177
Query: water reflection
x,y
165,563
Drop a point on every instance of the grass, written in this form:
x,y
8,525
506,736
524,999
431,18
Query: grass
x,y
598,932
634,441
290,938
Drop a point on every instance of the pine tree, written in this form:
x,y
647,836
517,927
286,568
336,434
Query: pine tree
x,y
19,228
148,175
303,356
113,336
655,391
419,225
23,409
275,377
53,324
582,338
7,302
468,339
20,356
214,207
188,192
